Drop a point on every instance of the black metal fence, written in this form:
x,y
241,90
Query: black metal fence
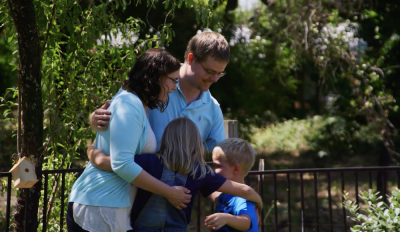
x,y
294,200
311,199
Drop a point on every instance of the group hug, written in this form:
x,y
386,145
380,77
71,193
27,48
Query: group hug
x,y
147,162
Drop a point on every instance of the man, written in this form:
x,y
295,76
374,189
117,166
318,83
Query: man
x,y
206,57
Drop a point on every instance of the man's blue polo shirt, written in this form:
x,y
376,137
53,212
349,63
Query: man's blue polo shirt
x,y
205,112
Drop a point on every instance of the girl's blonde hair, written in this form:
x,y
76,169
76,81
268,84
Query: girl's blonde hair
x,y
182,149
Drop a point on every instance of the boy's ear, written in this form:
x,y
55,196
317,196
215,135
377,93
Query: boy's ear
x,y
237,168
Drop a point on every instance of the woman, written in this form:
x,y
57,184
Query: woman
x,y
101,200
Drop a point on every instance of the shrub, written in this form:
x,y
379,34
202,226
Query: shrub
x,y
326,140
379,216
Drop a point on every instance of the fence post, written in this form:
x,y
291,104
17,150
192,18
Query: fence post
x,y
231,128
260,191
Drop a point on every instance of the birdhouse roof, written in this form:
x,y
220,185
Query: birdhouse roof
x,y
20,161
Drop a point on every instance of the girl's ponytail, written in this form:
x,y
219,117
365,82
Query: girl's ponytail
x,y
182,149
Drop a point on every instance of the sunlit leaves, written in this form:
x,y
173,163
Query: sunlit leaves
x,y
379,216
87,52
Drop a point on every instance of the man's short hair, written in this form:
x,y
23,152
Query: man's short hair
x,y
208,44
238,151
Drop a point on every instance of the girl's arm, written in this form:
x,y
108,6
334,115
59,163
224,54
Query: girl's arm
x,y
176,195
241,190
214,196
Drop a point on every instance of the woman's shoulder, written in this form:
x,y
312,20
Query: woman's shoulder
x,y
127,99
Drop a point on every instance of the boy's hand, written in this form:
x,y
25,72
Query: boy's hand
x,y
216,220
239,222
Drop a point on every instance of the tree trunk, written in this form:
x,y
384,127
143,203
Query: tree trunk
x,y
29,79
228,19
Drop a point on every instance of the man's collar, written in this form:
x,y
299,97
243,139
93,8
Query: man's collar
x,y
202,97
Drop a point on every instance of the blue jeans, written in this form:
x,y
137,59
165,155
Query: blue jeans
x,y
158,214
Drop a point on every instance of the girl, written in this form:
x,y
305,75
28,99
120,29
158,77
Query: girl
x,y
101,200
179,162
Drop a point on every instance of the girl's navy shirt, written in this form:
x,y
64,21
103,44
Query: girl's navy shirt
x,y
154,166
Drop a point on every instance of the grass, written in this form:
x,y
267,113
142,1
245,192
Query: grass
x,y
289,136
317,142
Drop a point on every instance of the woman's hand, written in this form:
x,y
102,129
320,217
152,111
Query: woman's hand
x,y
179,196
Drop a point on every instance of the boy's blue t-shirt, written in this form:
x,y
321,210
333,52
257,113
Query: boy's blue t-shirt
x,y
154,166
236,206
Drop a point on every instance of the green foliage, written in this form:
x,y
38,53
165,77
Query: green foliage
x,y
380,217
8,126
259,68
322,138
307,58
86,53
288,59
289,136
8,71
3,193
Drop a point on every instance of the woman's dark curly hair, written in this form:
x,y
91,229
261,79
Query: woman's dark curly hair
x,y
144,78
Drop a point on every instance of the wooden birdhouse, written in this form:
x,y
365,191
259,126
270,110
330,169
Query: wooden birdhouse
x,y
23,173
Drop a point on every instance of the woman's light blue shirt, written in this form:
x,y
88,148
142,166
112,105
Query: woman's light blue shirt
x,y
205,112
125,137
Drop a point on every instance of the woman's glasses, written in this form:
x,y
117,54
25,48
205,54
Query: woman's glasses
x,y
174,80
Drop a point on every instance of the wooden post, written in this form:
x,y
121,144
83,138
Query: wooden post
x,y
260,166
260,213
231,128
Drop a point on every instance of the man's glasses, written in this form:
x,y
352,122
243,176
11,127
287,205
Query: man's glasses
x,y
212,72
174,80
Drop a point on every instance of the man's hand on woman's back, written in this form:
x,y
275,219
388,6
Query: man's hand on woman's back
x,y
100,118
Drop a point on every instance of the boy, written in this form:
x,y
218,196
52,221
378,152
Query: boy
x,y
233,159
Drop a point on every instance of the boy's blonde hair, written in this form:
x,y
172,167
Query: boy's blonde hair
x,y
238,151
182,149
